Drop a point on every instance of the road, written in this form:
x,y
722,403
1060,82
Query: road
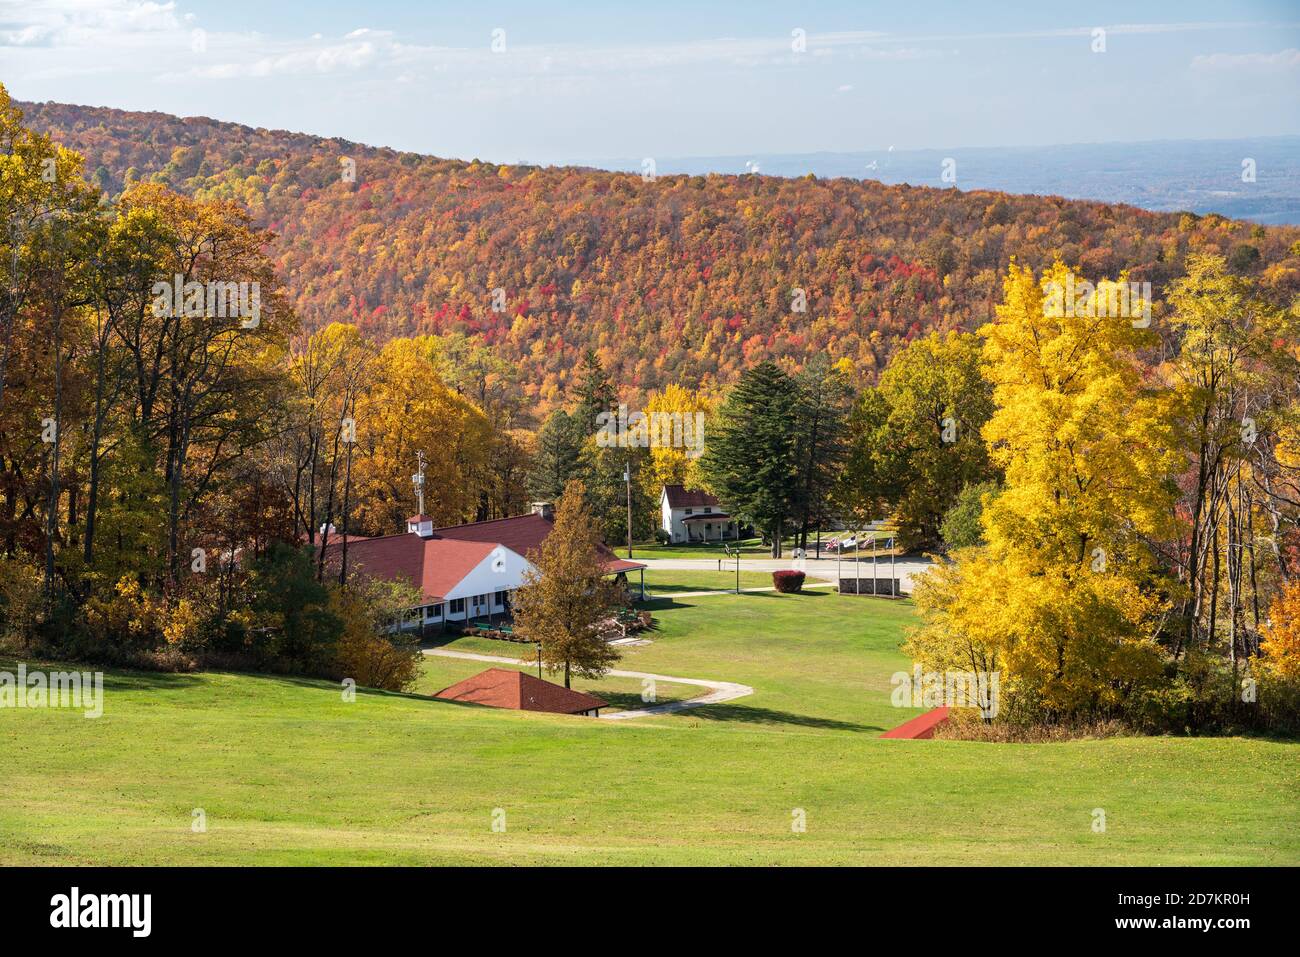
x,y
907,567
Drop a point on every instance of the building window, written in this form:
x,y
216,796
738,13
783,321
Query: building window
x,y
500,599
433,611
688,511
708,508
457,606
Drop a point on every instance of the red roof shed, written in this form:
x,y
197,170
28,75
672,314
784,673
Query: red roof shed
x,y
507,688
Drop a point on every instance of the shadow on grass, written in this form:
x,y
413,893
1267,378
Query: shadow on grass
x,y
115,678
131,679
663,604
747,714
629,700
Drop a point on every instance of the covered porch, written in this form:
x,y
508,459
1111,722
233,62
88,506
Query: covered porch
x,y
710,527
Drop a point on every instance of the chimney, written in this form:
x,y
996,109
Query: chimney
x,y
544,509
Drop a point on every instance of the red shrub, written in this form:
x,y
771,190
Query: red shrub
x,y
788,580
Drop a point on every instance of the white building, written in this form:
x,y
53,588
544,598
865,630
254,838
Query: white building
x,y
464,572
694,516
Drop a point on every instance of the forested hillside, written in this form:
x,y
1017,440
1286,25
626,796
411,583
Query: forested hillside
x,y
676,279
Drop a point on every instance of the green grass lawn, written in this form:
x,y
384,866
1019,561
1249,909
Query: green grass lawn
x,y
753,547
667,581
288,773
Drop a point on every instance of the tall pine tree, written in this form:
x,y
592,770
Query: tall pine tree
x,y
752,457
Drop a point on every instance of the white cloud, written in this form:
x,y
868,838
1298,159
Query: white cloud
x,y
316,59
78,22
1261,62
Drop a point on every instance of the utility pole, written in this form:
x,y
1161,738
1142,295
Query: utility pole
x,y
875,575
893,574
418,481
627,479
347,505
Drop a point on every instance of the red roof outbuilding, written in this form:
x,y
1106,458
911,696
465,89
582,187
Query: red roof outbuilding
x,y
507,688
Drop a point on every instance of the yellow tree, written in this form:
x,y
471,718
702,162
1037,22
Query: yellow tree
x,y
675,448
1065,592
1281,645
563,603
403,410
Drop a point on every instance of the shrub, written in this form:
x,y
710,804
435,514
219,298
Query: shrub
x,y
788,580
662,537
20,602
388,661
292,609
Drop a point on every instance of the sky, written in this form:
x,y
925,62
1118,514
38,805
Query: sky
x,y
548,82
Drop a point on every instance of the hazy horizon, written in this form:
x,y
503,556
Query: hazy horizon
x,y
510,82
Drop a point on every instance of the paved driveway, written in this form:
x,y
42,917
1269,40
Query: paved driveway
x,y
907,567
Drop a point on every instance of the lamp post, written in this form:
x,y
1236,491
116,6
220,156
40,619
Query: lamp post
x,y
627,480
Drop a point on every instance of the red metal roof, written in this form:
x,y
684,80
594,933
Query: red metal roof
x,y
922,726
435,565
335,538
622,565
680,497
523,534
507,688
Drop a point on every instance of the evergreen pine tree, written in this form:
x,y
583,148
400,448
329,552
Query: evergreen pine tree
x,y
752,457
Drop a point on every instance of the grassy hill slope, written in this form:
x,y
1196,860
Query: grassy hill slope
x,y
287,772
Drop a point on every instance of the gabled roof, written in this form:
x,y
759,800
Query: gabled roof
x,y
335,538
435,565
440,562
680,497
507,688
523,534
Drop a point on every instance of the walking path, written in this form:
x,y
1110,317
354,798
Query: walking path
x,y
720,690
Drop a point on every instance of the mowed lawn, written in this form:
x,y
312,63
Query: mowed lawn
x,y
287,772
668,581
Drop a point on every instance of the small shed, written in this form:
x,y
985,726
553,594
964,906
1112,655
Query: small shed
x,y
507,688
